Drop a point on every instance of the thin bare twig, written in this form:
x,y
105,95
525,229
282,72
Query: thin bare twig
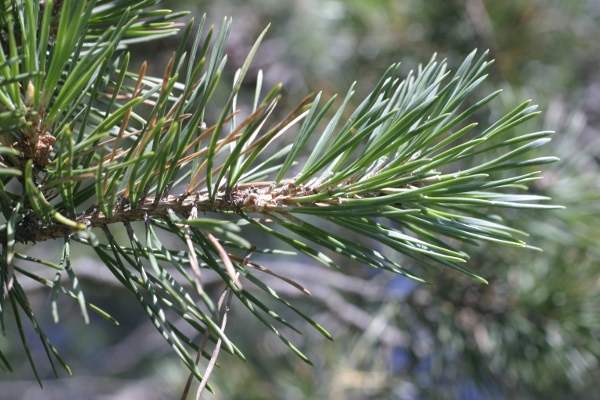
x,y
259,267
226,260
213,359
192,252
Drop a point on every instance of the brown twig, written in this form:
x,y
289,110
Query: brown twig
x,y
213,358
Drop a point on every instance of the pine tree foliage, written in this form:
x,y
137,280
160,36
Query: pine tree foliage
x,y
89,146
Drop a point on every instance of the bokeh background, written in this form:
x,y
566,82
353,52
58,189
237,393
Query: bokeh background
x,y
532,333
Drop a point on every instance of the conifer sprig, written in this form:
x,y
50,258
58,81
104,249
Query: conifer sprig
x,y
80,128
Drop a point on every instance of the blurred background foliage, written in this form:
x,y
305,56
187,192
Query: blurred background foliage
x,y
533,332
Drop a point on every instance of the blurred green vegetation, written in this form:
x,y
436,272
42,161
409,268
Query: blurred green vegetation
x,y
533,332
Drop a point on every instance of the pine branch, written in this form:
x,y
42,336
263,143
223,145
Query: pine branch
x,y
82,128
